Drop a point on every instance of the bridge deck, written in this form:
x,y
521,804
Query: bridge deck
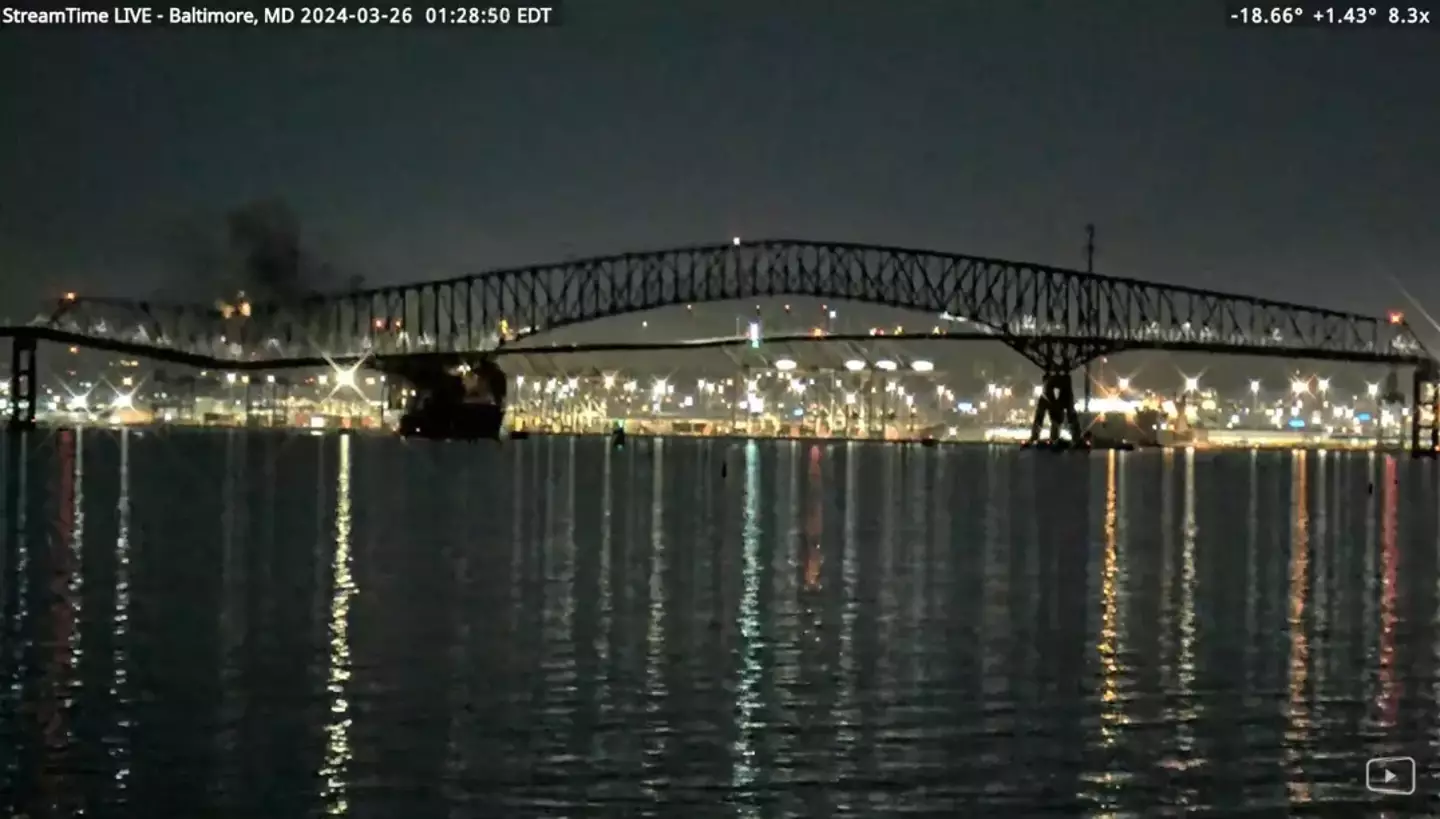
x,y
772,343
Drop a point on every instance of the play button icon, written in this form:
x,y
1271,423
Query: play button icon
x,y
1391,775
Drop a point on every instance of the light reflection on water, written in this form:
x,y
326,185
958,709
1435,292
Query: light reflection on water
x,y
264,625
335,773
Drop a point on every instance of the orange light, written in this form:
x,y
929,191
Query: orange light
x,y
1397,317
379,324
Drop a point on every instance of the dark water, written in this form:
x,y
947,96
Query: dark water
x,y
226,625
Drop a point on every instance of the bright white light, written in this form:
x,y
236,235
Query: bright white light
x,y
736,240
886,364
1191,383
1039,391
1254,386
832,314
1323,384
79,402
123,400
230,378
1122,383
1372,390
785,365
270,379
850,398
1102,405
345,376
854,365
922,366
1300,386
608,380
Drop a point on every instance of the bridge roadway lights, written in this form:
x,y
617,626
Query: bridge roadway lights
x,y
23,382
1056,404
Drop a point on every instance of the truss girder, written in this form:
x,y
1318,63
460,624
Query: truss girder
x,y
1022,303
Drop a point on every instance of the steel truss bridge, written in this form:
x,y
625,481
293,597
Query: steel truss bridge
x,y
1057,318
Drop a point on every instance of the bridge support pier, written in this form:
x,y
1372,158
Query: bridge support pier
x,y
24,381
1058,359
1056,404
1425,413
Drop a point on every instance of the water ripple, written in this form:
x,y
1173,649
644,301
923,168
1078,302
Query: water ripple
x,y
366,627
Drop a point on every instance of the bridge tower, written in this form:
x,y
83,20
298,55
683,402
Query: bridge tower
x,y
1425,414
24,380
1056,404
1058,359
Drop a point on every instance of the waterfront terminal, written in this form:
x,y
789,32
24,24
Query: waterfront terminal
x,y
777,402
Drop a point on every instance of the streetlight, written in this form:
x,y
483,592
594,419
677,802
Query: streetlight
x,y
1372,390
1255,386
1324,385
1192,383
1300,386
1123,384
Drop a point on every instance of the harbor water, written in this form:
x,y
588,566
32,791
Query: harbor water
x,y
233,624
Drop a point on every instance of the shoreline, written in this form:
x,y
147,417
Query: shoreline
x,y
1388,448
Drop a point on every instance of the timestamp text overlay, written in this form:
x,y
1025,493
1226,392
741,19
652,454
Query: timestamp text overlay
x,y
56,15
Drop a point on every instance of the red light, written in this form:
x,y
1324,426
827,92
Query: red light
x,y
1397,317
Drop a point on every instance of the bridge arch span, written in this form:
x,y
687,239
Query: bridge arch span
x,y
1056,317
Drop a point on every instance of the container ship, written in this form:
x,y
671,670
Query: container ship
x,y
465,405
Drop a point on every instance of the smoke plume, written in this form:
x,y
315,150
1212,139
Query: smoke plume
x,y
257,248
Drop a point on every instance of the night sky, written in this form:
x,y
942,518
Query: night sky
x,y
1292,164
